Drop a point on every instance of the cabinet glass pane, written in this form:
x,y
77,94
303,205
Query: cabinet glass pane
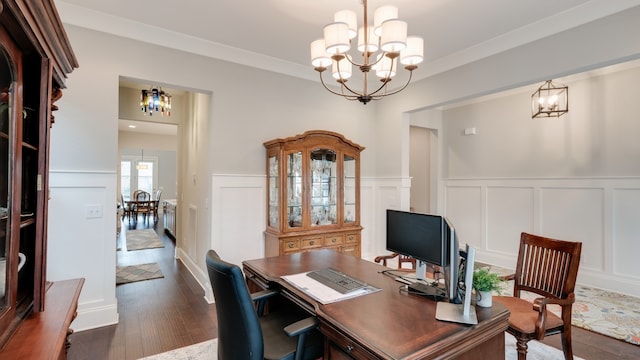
x,y
273,191
349,189
294,190
324,170
6,98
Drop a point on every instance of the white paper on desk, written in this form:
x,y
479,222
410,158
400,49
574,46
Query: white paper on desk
x,y
321,292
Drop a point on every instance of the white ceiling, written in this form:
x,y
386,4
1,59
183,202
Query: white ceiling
x,y
275,34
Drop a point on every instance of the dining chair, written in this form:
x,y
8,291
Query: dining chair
x,y
245,333
126,208
549,268
402,259
142,204
156,203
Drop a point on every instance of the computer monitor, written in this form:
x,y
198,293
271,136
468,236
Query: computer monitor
x,y
429,239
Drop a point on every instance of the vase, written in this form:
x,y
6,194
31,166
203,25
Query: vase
x,y
484,299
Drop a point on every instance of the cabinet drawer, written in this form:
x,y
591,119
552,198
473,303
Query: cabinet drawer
x,y
333,240
290,245
310,243
352,238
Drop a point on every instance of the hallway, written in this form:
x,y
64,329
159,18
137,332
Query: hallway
x,y
154,315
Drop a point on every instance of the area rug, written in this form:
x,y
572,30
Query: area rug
x,y
143,239
209,350
133,273
601,311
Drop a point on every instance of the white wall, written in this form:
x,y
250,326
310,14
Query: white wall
x,y
576,177
244,108
249,106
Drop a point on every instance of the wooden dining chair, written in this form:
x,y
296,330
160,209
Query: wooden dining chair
x,y
549,268
126,208
402,259
142,204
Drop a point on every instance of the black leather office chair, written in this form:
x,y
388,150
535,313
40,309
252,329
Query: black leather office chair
x,y
286,334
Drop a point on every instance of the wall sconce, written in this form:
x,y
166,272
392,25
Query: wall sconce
x,y
551,99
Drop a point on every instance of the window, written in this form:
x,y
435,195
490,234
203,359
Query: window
x,y
136,174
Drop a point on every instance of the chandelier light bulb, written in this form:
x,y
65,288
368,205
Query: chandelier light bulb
x,y
382,14
350,18
341,69
336,38
394,36
385,68
413,54
371,45
319,56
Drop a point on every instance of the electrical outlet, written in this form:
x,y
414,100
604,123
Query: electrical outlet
x,y
93,211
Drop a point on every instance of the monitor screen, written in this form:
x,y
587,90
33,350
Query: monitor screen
x,y
417,235
429,239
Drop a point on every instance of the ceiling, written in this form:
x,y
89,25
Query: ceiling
x,y
267,32
275,34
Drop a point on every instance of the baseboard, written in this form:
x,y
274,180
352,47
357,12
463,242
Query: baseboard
x,y
95,317
201,277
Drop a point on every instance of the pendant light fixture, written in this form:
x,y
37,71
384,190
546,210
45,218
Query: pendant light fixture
x,y
550,100
155,99
141,164
381,46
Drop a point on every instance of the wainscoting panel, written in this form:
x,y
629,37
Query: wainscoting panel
x,y
81,247
625,247
464,206
602,213
238,216
576,214
510,211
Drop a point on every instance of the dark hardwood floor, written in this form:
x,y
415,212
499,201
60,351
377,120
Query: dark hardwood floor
x,y
155,315
164,314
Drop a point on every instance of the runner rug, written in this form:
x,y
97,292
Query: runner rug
x,y
133,273
142,239
209,350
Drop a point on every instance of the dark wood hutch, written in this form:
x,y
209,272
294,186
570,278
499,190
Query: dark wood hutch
x,y
35,58
313,194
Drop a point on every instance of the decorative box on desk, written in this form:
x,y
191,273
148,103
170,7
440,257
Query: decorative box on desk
x,y
313,194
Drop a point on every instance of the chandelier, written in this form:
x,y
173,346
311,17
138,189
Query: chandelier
x,y
379,46
551,99
155,99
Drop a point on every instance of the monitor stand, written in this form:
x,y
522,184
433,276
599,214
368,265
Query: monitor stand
x,y
461,313
446,311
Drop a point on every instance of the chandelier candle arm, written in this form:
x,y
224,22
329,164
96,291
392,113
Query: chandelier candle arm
x,y
380,46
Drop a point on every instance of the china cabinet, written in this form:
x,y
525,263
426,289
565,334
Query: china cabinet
x,y
313,194
35,58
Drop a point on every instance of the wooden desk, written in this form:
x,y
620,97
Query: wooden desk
x,y
388,324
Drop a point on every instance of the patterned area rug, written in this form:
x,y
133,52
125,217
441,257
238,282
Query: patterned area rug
x,y
143,239
601,311
209,350
133,273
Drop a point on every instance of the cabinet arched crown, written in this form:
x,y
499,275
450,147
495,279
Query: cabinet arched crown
x,y
313,194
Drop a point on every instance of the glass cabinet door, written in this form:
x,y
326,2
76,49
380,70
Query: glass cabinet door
x,y
294,190
272,187
349,182
323,168
6,115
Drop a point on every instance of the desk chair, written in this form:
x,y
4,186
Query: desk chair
x,y
243,334
549,268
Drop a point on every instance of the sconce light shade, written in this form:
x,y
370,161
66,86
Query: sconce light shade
x,y
550,100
